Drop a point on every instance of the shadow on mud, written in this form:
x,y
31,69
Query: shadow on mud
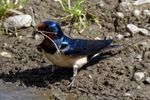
x,y
39,77
43,76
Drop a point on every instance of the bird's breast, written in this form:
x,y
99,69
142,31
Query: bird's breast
x,y
62,60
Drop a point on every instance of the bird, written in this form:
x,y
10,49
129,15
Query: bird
x,y
66,52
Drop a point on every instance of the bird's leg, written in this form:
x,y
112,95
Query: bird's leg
x,y
75,71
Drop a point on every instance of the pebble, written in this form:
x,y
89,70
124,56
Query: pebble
x,y
144,31
5,54
147,80
127,94
37,37
141,2
19,21
101,3
118,59
120,14
5,45
132,28
21,37
120,36
145,45
139,57
137,12
126,5
138,87
146,12
90,76
138,76
127,34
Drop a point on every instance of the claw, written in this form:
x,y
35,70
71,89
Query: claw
x,y
75,71
72,84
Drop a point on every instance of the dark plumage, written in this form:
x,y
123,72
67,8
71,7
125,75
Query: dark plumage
x,y
81,47
64,51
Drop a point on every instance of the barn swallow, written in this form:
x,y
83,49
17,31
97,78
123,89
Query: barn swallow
x,y
64,51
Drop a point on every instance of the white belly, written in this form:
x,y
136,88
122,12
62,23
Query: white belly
x,y
61,60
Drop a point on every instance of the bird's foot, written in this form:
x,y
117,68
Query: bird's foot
x,y
72,84
75,70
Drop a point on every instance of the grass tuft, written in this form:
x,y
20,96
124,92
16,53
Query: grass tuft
x,y
77,15
5,5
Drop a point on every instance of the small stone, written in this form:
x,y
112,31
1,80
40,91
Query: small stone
x,y
127,94
5,45
120,14
147,80
120,36
144,45
118,59
137,12
127,34
126,5
17,22
21,37
138,87
141,2
5,54
98,65
90,76
139,57
146,12
138,76
101,3
37,37
132,28
144,31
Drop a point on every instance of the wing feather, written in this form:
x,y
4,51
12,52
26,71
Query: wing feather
x,y
83,47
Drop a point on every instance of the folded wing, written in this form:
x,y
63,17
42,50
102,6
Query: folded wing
x,y
83,47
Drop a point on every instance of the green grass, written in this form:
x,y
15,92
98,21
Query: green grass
x,y
8,4
76,14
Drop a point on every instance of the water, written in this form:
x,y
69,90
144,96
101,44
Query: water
x,y
9,91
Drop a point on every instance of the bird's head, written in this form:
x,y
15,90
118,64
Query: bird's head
x,y
49,28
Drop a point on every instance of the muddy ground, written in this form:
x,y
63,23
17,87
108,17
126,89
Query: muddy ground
x,y
111,78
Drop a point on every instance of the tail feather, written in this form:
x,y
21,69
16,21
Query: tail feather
x,y
104,50
109,48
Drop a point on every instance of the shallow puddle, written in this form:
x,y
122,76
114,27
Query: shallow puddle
x,y
9,91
